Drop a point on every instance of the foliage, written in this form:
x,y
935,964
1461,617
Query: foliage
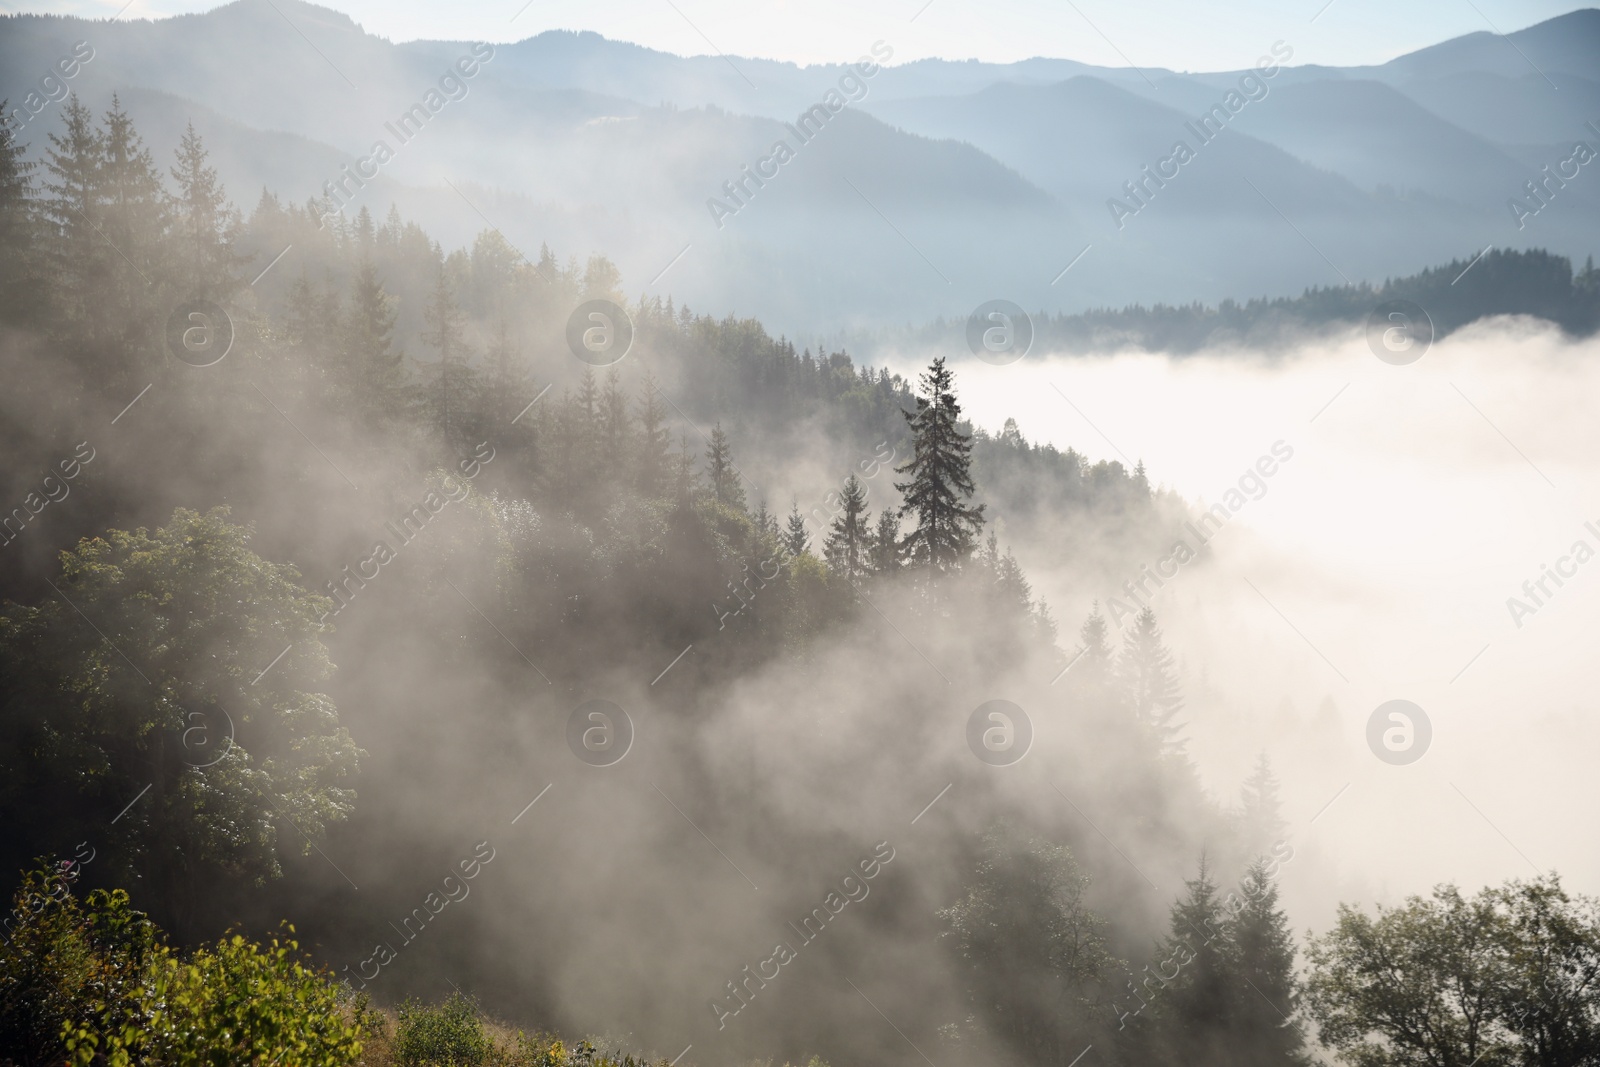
x,y
144,669
1509,977
444,1035
939,478
93,982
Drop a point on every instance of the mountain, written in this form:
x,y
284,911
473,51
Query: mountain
x,y
915,191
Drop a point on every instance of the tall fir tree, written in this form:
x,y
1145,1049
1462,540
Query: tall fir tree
x,y
725,482
371,371
614,429
655,440
205,222
1148,681
444,324
848,548
795,537
886,543
1261,809
939,478
21,270
1265,993
71,206
1193,1009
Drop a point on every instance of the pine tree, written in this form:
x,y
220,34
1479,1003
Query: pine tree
x,y
1094,663
1260,814
886,543
725,483
444,323
849,543
766,523
1265,994
1192,1008
21,280
614,428
371,369
795,537
654,439
940,478
72,209
1147,679
205,221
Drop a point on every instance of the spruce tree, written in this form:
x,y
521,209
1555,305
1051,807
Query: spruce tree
x,y
1260,813
886,543
613,435
444,323
795,537
1094,664
655,440
849,542
725,483
1192,1007
205,222
940,478
370,372
21,281
72,209
1265,994
1148,681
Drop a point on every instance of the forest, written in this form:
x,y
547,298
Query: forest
x,y
326,557
1495,281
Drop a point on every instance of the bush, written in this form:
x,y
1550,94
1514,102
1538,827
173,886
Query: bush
x,y
91,982
63,960
444,1035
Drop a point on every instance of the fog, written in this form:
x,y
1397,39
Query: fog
x,y
1418,499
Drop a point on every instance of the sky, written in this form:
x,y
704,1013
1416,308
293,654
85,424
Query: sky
x,y
1175,34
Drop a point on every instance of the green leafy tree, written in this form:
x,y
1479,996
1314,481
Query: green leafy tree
x,y
1030,953
1417,985
142,680
939,478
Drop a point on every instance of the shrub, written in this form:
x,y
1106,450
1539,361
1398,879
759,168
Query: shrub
x,y
443,1035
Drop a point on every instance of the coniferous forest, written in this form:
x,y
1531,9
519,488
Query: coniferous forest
x,y
388,679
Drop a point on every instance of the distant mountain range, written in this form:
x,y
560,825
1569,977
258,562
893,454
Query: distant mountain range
x,y
911,191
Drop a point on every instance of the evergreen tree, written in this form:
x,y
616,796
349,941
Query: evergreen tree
x,y
444,324
613,428
1261,816
940,478
1094,663
1147,679
725,487
766,523
71,207
205,221
849,544
370,372
1265,993
886,543
654,439
1192,1008
795,537
21,283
